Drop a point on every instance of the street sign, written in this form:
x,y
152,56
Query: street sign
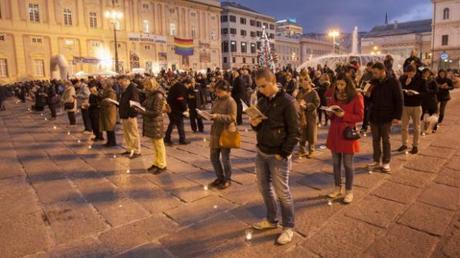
x,y
444,56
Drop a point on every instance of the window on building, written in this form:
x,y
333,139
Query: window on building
x,y
92,20
233,46
2,37
258,24
243,20
225,46
39,67
212,35
145,6
252,22
253,34
67,17
172,29
244,47
146,26
266,25
253,48
259,34
243,33
233,59
233,31
147,47
446,14
37,40
225,59
224,31
232,18
445,40
193,32
272,35
34,12
3,68
259,44
253,60
272,27
224,18
244,60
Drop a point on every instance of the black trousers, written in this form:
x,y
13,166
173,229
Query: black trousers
x,y
111,138
52,110
71,116
86,119
366,114
239,112
175,120
381,136
94,117
195,121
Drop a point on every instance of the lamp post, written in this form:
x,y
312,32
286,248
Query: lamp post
x,y
115,16
333,34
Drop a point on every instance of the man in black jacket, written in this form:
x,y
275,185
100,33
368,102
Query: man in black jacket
x,y
414,89
277,137
195,100
128,117
385,108
413,60
177,100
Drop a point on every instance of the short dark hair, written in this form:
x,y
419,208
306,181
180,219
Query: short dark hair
x,y
378,66
370,64
410,69
223,85
265,73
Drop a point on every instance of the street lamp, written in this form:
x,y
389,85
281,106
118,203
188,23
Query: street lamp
x,y
334,34
115,16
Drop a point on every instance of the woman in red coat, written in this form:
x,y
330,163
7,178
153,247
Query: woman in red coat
x,y
349,106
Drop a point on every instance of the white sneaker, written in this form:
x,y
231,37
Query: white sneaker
x,y
386,168
286,236
348,197
337,193
373,166
264,224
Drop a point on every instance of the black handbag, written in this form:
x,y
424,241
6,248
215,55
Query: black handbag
x,y
350,133
69,105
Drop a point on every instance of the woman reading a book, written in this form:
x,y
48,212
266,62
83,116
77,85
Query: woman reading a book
x,y
223,115
346,108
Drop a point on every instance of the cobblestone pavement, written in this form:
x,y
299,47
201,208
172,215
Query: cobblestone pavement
x,y
63,196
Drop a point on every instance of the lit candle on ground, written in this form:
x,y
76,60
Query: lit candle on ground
x,y
78,141
205,187
114,156
407,153
46,119
329,203
68,133
204,139
90,147
128,171
215,207
248,234
54,127
370,171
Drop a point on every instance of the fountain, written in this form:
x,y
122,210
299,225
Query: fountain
x,y
331,60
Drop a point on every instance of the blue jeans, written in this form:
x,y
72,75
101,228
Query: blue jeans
x,y
273,178
224,174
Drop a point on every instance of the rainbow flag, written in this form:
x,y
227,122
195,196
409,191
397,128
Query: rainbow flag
x,y
184,47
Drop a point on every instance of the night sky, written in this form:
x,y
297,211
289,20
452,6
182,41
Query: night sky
x,y
319,16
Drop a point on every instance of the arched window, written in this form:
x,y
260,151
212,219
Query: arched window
x,y
446,14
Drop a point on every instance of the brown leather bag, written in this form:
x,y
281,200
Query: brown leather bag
x,y
230,138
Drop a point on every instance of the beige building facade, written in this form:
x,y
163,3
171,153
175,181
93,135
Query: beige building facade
x,y
446,34
34,31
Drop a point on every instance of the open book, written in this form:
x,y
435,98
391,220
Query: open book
x,y
137,105
204,114
331,109
413,92
112,101
253,112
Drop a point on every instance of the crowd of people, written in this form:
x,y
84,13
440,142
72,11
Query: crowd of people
x,y
293,105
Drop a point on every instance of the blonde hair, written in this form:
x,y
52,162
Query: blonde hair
x,y
151,84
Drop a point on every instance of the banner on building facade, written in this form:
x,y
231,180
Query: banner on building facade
x,y
85,60
144,37
184,47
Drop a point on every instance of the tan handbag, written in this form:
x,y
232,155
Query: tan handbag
x,y
230,137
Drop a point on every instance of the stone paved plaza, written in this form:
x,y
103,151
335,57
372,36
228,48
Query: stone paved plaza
x,y
63,196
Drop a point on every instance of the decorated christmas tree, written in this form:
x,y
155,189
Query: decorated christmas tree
x,y
266,58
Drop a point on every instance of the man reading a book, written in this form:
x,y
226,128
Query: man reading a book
x,y
277,137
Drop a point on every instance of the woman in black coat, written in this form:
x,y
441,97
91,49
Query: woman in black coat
x,y
445,85
153,126
430,101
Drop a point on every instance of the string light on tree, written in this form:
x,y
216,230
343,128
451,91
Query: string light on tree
x,y
265,55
